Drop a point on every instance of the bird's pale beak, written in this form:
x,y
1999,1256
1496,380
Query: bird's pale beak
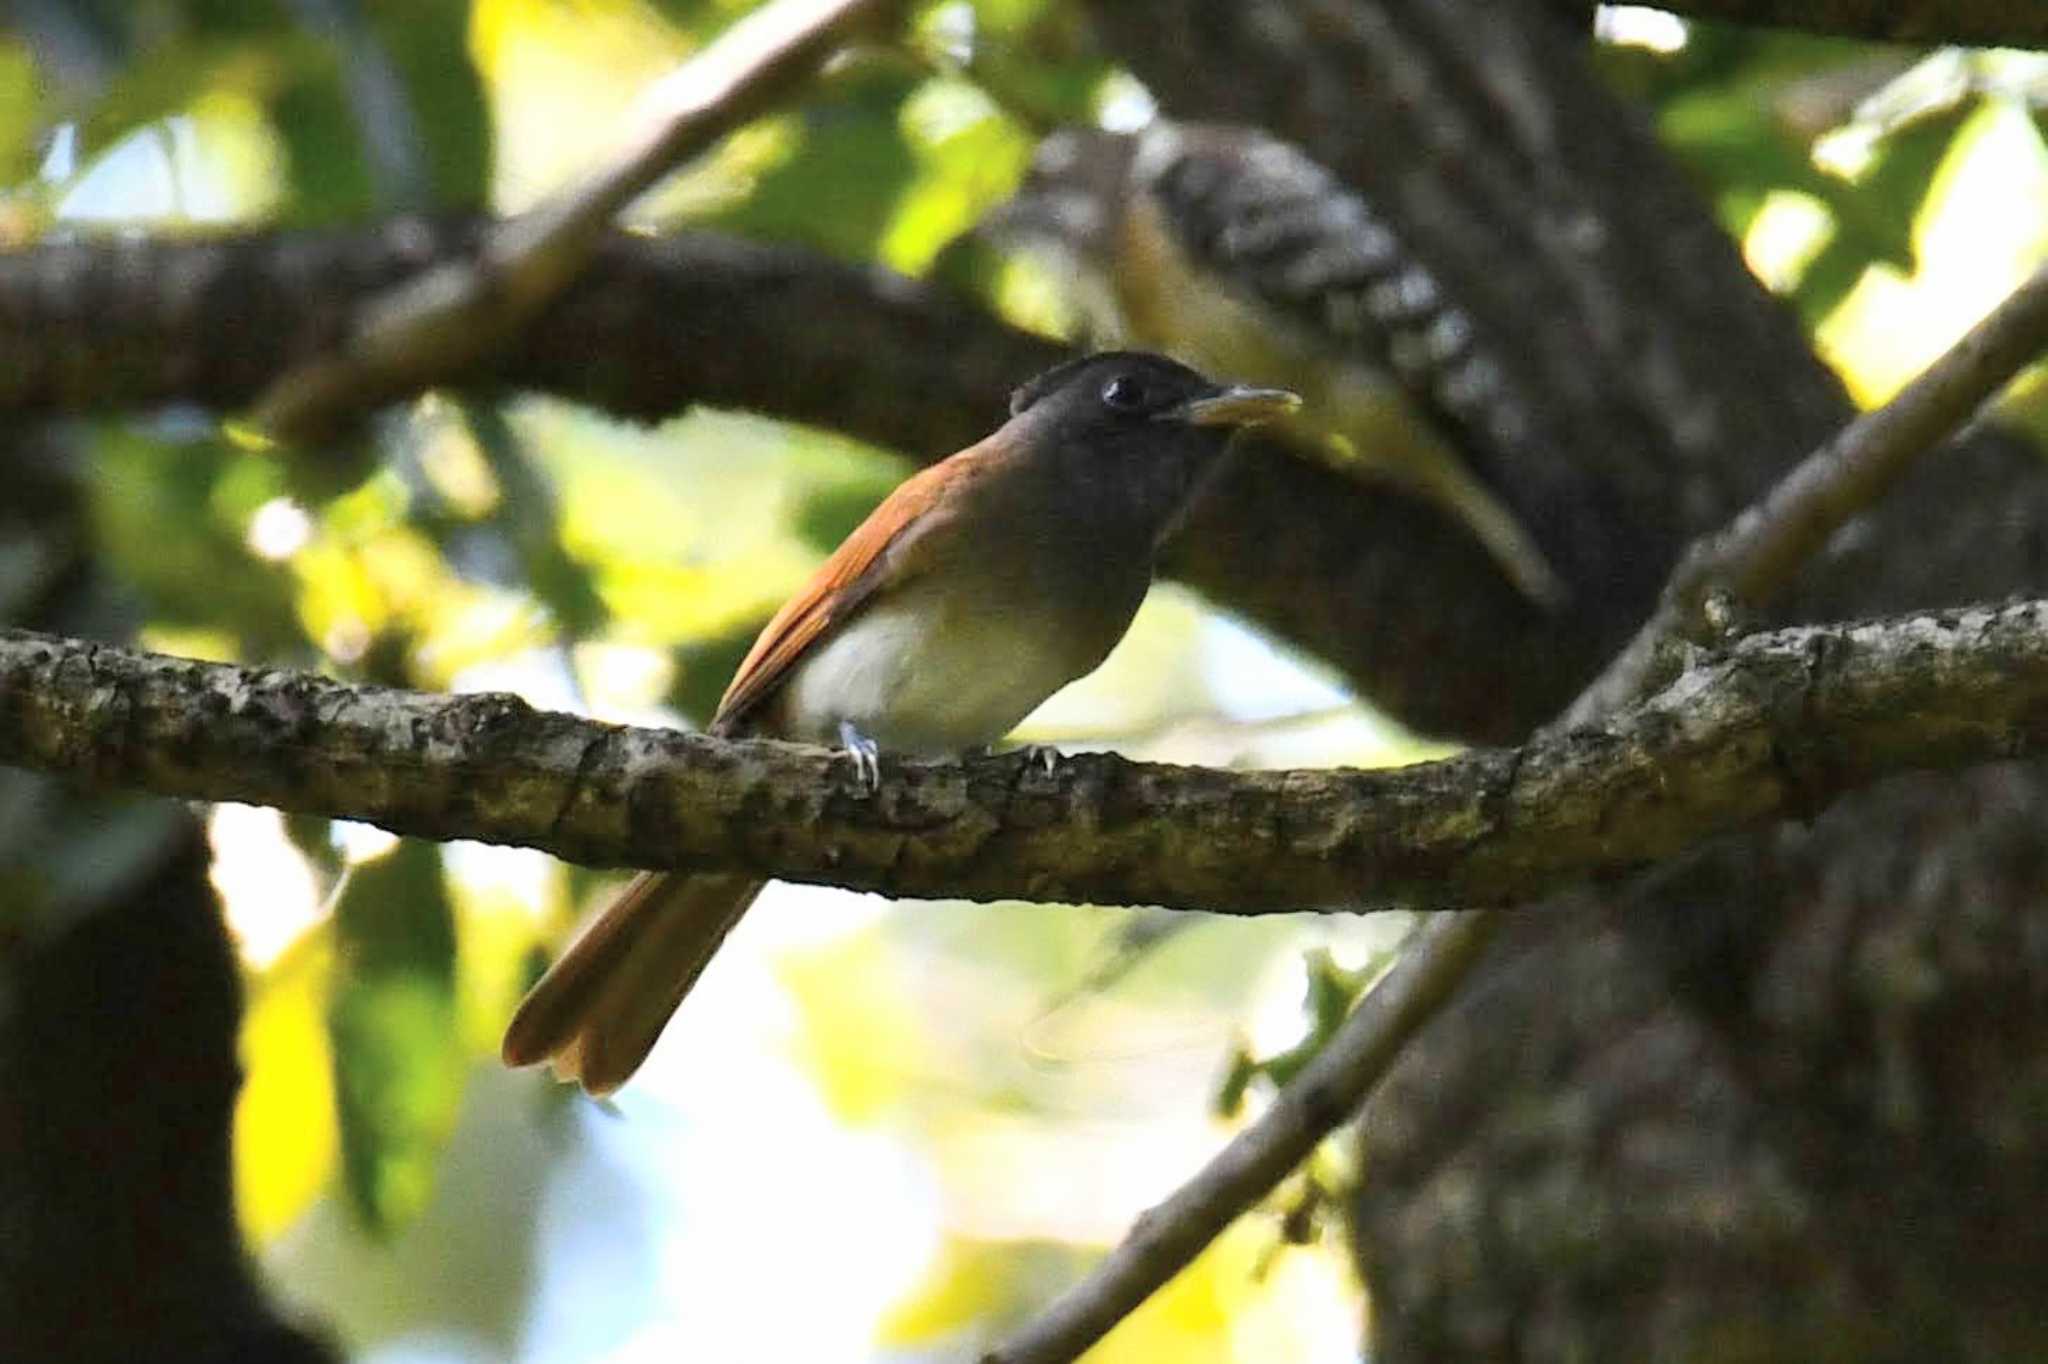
x,y
1237,405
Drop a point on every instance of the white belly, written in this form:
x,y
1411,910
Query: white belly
x,y
925,686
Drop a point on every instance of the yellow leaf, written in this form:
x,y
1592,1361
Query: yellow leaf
x,y
857,1032
1189,1320
285,1135
967,1282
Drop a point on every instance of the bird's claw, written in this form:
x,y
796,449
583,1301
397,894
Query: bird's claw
x,y
866,755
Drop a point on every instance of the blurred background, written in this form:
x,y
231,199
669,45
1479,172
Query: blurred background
x,y
928,1116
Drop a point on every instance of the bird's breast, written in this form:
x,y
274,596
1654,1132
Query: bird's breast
x,y
933,671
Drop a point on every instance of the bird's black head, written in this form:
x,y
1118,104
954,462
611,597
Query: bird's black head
x,y
1136,394
1137,425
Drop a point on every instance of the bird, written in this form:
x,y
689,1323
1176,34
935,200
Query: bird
x,y
975,590
1232,250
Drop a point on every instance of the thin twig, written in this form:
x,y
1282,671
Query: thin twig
x,y
1755,555
1326,1092
438,323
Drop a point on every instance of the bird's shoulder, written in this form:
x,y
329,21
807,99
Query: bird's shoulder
x,y
883,548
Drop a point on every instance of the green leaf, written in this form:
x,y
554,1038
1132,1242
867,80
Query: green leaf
x,y
705,666
329,177
171,515
1874,215
837,189
527,515
428,41
830,508
398,1063
435,147
20,112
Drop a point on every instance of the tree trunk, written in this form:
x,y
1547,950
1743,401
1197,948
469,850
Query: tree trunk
x,y
1787,1098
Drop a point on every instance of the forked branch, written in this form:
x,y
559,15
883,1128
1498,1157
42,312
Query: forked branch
x,y
434,326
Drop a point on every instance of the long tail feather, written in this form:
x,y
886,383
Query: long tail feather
x,y
597,1012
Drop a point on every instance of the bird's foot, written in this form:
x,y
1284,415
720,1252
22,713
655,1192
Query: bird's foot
x,y
866,755
1045,757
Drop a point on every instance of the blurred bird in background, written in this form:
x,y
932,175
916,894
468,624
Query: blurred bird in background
x,y
1234,252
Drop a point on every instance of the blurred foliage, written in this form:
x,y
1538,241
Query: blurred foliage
x,y
398,1063
287,1139
1045,1066
202,577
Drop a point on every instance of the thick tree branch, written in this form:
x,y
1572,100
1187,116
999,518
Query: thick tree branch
x,y
1780,723
650,327
1984,23
436,325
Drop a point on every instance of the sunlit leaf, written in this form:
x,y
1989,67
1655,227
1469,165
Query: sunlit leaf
x,y
970,157
285,1132
526,516
562,77
975,1289
837,188
859,1034
1874,215
398,1063
20,111
1190,1319
1977,235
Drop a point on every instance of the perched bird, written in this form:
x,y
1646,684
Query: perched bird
x,y
1236,253
978,588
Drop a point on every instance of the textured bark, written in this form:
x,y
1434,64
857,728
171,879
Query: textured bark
x,y
1785,1104
1990,23
1781,723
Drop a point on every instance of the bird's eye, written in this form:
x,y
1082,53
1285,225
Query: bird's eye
x,y
1124,394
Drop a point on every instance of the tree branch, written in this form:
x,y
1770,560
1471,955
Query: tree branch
x,y
1755,557
1405,605
1779,724
436,325
1984,23
651,326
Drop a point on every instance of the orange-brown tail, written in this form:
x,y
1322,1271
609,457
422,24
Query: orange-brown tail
x,y
595,1014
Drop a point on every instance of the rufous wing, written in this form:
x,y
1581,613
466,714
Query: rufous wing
x,y
847,579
